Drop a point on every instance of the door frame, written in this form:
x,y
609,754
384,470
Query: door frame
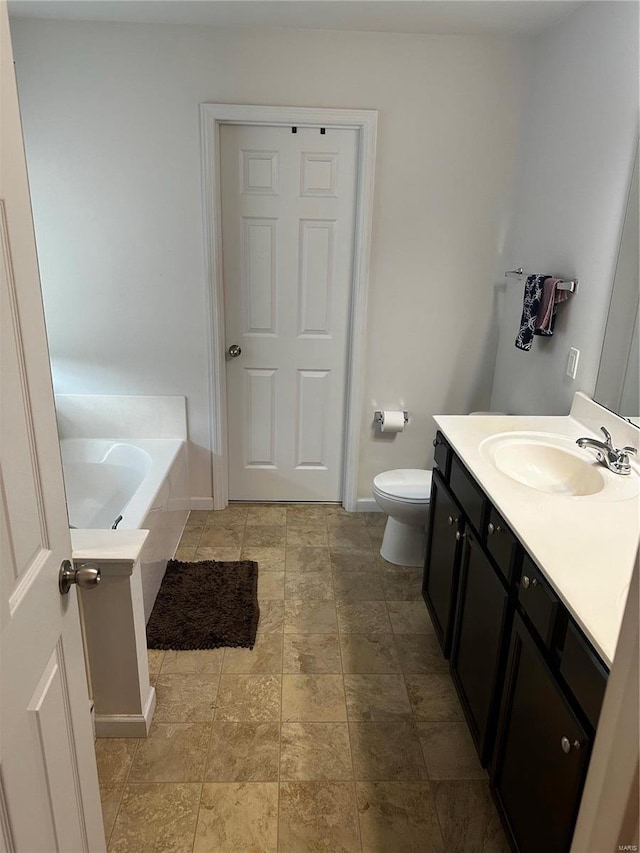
x,y
213,116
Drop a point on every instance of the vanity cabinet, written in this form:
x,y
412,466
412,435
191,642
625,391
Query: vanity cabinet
x,y
541,755
440,583
529,681
467,590
482,625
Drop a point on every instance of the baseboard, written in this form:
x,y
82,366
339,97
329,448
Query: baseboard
x,y
362,504
127,725
367,505
202,503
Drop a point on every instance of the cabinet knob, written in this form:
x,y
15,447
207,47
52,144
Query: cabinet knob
x,y
435,442
492,528
453,519
459,535
566,745
527,581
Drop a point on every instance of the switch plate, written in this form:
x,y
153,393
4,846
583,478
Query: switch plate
x,y
572,363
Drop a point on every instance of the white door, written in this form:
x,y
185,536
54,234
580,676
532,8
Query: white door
x,y
288,212
49,798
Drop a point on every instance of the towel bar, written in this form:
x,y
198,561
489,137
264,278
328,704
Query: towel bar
x,y
570,285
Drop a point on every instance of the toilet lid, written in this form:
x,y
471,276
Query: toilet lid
x,y
412,484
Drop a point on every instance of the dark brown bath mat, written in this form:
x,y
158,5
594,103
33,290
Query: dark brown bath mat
x,y
205,605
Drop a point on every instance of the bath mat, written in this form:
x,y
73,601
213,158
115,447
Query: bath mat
x,y
205,605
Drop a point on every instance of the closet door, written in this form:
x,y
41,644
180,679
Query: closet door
x,y
288,214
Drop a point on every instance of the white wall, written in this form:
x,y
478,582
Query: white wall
x,y
111,124
576,156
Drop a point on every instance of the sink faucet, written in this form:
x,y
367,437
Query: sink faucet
x,y
616,460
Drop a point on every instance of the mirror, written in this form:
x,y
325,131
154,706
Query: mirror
x,y
618,384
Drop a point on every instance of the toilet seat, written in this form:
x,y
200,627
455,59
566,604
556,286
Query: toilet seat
x,y
408,485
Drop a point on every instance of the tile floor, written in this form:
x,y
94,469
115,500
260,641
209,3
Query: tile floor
x,y
339,732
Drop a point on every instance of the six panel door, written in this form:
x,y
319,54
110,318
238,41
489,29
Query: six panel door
x,y
287,236
49,797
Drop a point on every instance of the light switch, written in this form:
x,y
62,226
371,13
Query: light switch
x,y
572,363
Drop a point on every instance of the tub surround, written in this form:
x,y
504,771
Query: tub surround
x,y
125,416
116,550
113,625
585,546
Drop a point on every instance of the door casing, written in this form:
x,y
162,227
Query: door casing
x,y
365,123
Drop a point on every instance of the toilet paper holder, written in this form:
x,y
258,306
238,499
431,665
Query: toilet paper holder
x,y
377,416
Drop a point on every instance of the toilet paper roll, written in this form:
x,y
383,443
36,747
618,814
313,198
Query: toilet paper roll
x,y
392,422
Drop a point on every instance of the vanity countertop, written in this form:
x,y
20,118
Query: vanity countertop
x,y
585,546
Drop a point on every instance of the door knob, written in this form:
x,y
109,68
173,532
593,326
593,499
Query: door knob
x,y
86,576
234,351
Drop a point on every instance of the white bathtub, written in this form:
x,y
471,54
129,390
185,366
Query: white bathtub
x,y
143,480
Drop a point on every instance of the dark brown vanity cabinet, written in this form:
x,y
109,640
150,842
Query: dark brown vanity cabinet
x,y
481,630
466,593
440,582
529,681
541,753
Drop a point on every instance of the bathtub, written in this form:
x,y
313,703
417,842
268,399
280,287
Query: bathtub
x,y
143,480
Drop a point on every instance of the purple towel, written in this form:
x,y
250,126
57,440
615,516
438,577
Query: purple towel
x,y
551,298
530,307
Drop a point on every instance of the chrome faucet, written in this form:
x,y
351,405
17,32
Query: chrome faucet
x,y
616,460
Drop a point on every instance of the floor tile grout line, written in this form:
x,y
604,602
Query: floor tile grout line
x,y
113,825
280,732
124,788
353,773
195,828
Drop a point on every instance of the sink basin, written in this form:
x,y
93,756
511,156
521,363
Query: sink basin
x,y
555,465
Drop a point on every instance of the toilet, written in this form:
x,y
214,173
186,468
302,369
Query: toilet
x,y
404,495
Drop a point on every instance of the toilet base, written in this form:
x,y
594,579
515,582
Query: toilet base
x,y
404,544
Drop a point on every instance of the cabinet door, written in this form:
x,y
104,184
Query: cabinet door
x,y
541,753
440,583
479,649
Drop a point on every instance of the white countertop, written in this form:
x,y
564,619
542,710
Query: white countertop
x,y
585,546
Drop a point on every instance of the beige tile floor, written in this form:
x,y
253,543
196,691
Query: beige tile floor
x,y
339,732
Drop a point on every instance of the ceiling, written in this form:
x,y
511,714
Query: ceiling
x,y
452,17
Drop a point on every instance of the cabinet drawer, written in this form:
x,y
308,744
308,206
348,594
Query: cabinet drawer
x,y
468,494
502,545
538,601
584,673
442,455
